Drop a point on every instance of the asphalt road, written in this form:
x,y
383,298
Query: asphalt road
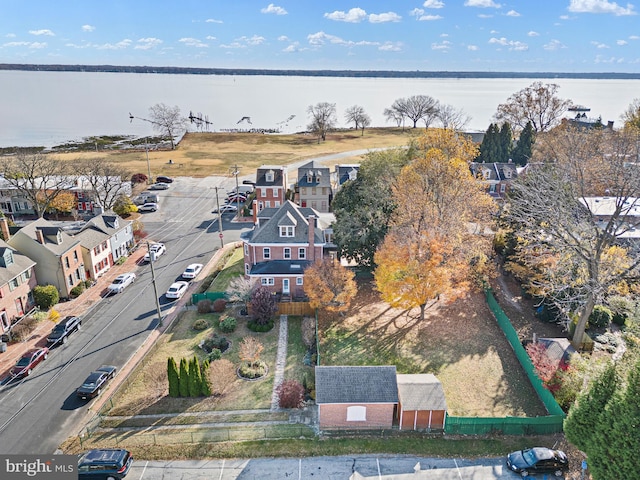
x,y
40,411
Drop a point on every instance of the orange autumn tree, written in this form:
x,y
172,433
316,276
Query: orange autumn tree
x,y
329,285
436,242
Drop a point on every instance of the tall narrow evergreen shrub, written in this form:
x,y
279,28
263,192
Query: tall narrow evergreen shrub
x,y
174,378
204,375
195,378
184,378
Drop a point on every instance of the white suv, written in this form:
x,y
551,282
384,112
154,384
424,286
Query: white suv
x,y
155,250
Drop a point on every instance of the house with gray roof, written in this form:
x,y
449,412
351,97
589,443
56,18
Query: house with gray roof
x,y
496,176
313,188
352,397
96,252
282,244
120,233
58,255
343,173
17,280
270,188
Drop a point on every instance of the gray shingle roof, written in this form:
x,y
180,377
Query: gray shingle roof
x,y
108,222
278,176
268,232
91,237
21,263
319,176
351,384
68,242
280,267
421,392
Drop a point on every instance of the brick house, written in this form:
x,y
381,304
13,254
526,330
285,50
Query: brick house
x,y
313,188
96,252
282,244
421,402
17,280
496,176
353,397
119,231
58,256
270,188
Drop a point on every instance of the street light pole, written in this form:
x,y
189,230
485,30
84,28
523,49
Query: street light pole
x,y
219,219
153,281
236,172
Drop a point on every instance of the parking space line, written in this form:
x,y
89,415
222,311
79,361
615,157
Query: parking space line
x,y
457,468
378,465
299,469
144,469
221,470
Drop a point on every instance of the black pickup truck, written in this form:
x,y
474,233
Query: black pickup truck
x,y
62,330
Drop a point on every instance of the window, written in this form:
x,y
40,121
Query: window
x,y
70,278
13,284
246,269
299,280
77,274
302,253
104,245
287,254
266,253
492,188
303,191
276,204
503,188
75,255
287,231
263,192
357,413
1,293
313,191
66,262
267,281
267,204
269,176
246,249
274,192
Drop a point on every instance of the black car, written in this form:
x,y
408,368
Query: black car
x,y
104,463
94,383
163,179
62,330
538,460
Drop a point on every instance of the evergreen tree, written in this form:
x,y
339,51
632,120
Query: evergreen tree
x,y
184,378
489,146
505,143
585,413
195,379
523,149
204,375
173,377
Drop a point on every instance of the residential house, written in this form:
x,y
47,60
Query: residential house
x,y
282,244
13,203
343,173
496,176
58,256
356,397
626,212
313,188
421,402
270,188
96,252
17,280
120,233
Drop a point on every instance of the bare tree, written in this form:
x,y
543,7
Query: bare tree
x,y
365,121
106,179
416,108
221,375
240,290
452,118
323,119
355,115
167,121
39,178
537,104
393,114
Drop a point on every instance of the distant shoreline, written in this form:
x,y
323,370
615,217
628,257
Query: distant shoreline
x,y
313,73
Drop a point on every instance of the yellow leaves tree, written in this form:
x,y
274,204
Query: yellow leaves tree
x,y
63,202
329,285
438,235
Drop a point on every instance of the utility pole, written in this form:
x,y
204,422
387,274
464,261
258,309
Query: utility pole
x,y
153,281
219,219
236,172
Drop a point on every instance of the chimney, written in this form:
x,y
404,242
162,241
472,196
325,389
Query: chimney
x,y
312,238
40,236
4,229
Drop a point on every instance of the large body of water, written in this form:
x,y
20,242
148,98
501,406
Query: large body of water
x,y
50,108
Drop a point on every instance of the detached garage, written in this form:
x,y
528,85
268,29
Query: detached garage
x,y
422,405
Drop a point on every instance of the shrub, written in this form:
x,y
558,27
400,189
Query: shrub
x,y
254,326
290,394
139,178
215,341
45,296
204,377
174,380
54,315
600,317
214,355
204,306
221,375
253,370
183,384
195,378
219,305
228,324
87,283
200,324
263,305
77,290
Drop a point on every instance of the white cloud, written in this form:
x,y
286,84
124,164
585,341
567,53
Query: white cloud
x,y
510,44
554,45
533,34
481,4
433,4
29,45
355,15
484,15
44,31
473,48
321,38
212,20
193,42
283,38
621,42
115,46
391,47
600,6
10,35
494,32
601,59
294,47
274,9
598,44
512,13
253,40
430,18
384,17
564,17
634,37
443,46
210,37
88,28
147,43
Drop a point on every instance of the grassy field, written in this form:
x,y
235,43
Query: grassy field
x,y
204,154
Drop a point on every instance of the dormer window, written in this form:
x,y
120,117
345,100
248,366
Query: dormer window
x,y
269,176
507,173
287,231
486,174
7,258
309,176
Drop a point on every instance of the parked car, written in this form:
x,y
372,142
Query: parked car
x,y
148,207
27,362
227,208
64,328
159,186
538,460
192,270
92,386
242,189
163,179
177,289
121,282
155,250
235,198
104,463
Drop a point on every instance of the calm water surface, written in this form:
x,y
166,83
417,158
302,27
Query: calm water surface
x,y
50,108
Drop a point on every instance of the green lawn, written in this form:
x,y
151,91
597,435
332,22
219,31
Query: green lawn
x,y
234,267
296,350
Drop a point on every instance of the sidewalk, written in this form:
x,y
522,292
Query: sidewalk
x,y
78,306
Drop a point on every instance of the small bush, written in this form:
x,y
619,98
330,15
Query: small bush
x,y
215,341
45,296
254,326
77,290
600,317
219,305
290,394
253,370
54,316
200,324
139,178
87,283
204,306
228,324
214,355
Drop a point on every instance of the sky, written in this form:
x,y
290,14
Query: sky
x,y
427,35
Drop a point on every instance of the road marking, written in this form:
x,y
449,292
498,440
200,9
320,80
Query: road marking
x,y
221,470
457,468
299,469
144,469
378,464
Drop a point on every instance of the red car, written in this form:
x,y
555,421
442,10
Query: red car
x,y
28,362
